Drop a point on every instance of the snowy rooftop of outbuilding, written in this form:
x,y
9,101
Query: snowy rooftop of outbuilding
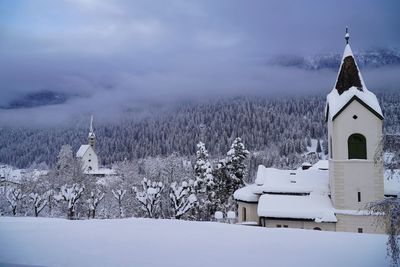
x,y
271,180
82,150
246,194
316,206
101,171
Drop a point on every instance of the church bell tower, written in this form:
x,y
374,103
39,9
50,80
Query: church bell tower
x,y
92,136
354,119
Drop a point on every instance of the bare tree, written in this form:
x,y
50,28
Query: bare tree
x,y
71,195
14,197
119,195
96,196
182,198
388,154
39,202
150,197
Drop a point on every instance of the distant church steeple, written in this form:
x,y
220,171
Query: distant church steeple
x,y
349,74
92,136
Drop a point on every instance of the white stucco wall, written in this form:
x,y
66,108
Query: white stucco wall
x,y
310,225
90,159
351,223
348,177
251,212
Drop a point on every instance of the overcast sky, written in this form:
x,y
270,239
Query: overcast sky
x,y
119,54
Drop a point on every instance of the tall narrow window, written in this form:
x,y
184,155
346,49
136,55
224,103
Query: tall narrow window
x,y
357,146
330,146
359,196
244,215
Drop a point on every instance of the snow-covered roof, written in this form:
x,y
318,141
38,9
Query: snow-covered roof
x,y
392,182
246,194
82,150
321,165
337,99
317,207
10,174
101,171
271,180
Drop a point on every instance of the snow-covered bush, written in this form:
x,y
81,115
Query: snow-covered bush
x,y
150,196
70,195
219,216
182,198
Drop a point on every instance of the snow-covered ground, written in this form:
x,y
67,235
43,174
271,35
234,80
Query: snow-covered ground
x,y
147,242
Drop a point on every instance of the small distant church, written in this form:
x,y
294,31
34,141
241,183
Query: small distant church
x,y
332,194
87,154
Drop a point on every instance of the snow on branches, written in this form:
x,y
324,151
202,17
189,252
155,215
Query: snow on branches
x,y
150,197
38,201
70,195
230,174
182,198
235,161
93,201
14,196
119,195
202,167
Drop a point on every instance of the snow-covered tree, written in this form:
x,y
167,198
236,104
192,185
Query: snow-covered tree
x,y
14,197
65,160
235,162
202,167
38,201
388,154
70,195
230,173
50,201
389,208
119,196
182,198
150,196
96,196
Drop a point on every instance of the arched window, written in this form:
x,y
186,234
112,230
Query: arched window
x,y
244,215
357,146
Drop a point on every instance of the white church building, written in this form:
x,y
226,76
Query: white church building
x,y
87,155
332,194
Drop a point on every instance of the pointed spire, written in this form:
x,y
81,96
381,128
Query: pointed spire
x,y
91,124
349,74
92,136
347,35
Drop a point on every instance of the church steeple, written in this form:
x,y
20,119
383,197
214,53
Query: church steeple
x,y
92,136
349,74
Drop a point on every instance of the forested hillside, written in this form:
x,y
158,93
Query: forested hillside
x,y
274,126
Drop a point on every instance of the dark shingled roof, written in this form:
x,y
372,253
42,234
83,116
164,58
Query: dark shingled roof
x,y
348,76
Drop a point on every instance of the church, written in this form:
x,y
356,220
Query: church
x,y
332,194
89,159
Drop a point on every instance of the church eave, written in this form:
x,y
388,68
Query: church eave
x,y
355,98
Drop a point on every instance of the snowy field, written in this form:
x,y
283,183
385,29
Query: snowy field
x,y
146,242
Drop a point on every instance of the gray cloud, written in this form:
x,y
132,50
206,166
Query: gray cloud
x,y
119,55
